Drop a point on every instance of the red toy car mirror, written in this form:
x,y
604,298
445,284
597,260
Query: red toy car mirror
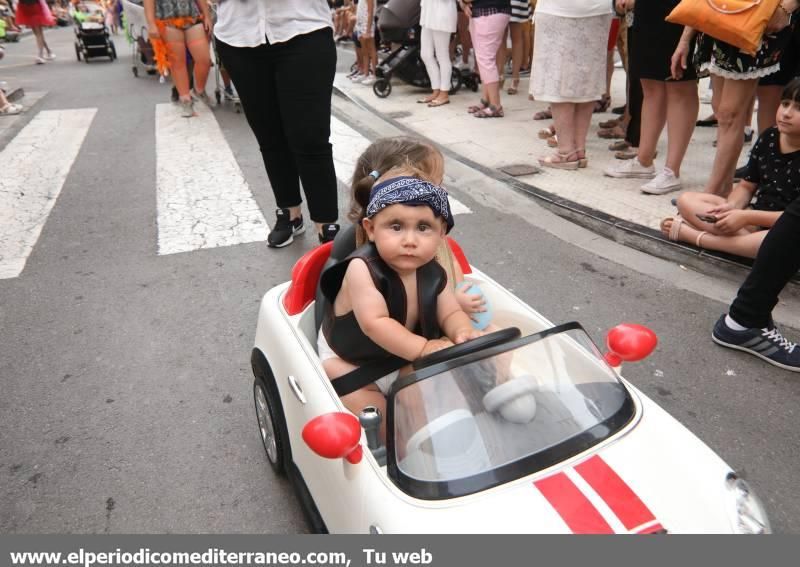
x,y
334,435
629,342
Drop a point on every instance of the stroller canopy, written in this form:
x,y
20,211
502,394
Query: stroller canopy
x,y
399,14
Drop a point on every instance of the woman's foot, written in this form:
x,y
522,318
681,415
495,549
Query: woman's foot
x,y
677,230
426,99
619,146
514,88
546,133
543,115
611,133
613,123
40,60
559,160
10,109
50,56
187,108
602,104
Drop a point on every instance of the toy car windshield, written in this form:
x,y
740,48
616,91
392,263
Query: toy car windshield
x,y
502,413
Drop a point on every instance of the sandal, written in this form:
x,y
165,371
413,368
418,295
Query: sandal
x,y
543,115
699,238
611,133
490,111
10,109
619,145
546,133
560,161
426,100
438,102
602,104
629,153
582,161
675,228
613,123
512,90
475,108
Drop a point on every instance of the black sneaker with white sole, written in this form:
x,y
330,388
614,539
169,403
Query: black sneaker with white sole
x,y
767,344
282,234
329,232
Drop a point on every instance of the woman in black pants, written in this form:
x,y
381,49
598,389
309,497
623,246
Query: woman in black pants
x,y
282,59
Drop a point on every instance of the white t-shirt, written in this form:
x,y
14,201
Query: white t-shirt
x,y
250,23
574,8
439,15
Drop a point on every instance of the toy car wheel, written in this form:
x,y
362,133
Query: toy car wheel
x,y
113,51
78,51
218,96
455,81
270,416
382,88
135,71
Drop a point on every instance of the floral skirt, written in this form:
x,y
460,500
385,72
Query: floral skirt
x,y
724,60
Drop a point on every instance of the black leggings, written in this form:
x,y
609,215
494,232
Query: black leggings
x,y
286,91
777,262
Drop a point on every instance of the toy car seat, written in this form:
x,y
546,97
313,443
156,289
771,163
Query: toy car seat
x,y
343,245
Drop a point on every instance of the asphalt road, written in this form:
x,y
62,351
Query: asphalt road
x,y
126,390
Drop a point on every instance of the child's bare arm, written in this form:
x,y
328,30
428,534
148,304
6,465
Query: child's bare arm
x,y
454,322
372,315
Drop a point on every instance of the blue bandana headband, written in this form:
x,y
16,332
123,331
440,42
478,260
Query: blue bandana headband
x,y
410,191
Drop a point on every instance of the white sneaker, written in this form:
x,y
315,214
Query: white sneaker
x,y
357,78
368,80
50,56
662,183
40,61
630,169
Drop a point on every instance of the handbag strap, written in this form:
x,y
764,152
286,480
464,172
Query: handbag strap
x,y
721,6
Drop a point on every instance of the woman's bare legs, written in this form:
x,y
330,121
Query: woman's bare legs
x,y
654,117
527,45
41,44
517,51
683,105
564,118
582,122
197,43
742,245
176,51
731,120
769,99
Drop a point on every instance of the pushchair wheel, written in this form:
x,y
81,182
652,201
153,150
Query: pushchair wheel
x,y
135,71
78,51
455,81
382,88
112,50
218,96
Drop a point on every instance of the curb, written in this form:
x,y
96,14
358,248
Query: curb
x,y
636,236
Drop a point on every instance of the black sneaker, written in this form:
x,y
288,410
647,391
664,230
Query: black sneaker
x,y
282,234
329,232
767,344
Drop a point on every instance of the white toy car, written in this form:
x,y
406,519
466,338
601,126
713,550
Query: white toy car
x,y
527,430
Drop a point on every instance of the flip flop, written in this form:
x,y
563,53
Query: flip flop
x,y
434,103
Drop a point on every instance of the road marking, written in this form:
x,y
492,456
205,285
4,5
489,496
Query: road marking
x,y
35,165
349,144
202,196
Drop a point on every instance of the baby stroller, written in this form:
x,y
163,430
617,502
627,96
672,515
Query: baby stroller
x,y
398,22
136,30
91,34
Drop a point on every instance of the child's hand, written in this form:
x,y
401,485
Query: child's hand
x,y
466,335
730,222
435,345
470,302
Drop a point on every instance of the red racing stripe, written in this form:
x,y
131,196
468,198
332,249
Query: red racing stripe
x,y
629,508
574,508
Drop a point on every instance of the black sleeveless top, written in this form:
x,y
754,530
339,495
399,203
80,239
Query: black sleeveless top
x,y
343,333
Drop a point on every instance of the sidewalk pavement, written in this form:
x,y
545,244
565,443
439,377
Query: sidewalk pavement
x,y
613,207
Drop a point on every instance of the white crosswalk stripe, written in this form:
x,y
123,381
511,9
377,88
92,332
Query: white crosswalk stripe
x,y
35,165
203,199
349,144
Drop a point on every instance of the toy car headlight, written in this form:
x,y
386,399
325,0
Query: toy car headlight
x,y
750,516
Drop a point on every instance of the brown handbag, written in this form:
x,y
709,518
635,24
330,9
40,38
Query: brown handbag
x,y
740,23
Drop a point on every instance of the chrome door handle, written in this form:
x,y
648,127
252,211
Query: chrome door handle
x,y
298,391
